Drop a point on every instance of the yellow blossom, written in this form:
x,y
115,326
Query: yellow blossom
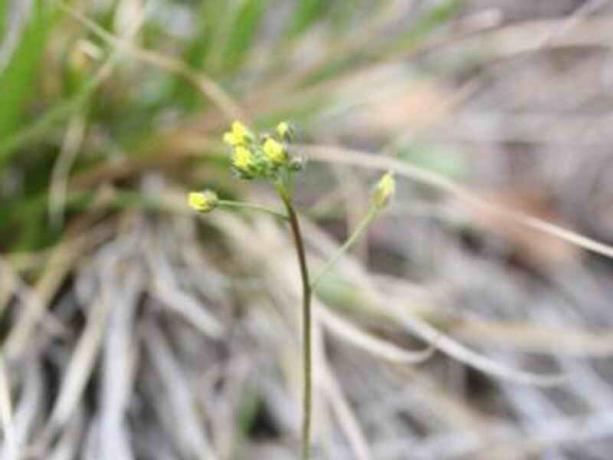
x,y
384,190
274,151
239,134
204,201
243,158
229,138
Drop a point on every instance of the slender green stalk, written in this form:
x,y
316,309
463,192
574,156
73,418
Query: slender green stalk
x,y
306,321
355,236
253,207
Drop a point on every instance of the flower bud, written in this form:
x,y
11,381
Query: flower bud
x,y
204,201
274,151
242,158
384,190
285,131
239,134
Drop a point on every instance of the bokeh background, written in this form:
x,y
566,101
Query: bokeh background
x,y
132,328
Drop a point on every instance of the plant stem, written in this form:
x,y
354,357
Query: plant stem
x,y
253,207
357,233
306,321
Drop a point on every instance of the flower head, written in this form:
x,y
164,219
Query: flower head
x,y
204,201
261,156
243,158
239,134
384,190
285,131
274,151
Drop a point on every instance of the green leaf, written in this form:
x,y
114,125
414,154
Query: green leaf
x,y
17,79
306,13
240,39
42,125
3,18
224,37
433,18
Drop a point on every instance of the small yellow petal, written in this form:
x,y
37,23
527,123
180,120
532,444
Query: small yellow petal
x,y
239,134
240,130
274,151
243,158
204,201
230,139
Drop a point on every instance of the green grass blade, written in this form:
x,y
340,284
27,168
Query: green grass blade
x,y
3,19
243,31
19,75
306,13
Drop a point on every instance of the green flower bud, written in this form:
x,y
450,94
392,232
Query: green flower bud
x,y
204,201
384,190
285,131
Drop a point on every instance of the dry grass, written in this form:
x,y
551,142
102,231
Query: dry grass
x,y
473,322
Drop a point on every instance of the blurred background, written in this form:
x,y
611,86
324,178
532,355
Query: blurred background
x,y
133,328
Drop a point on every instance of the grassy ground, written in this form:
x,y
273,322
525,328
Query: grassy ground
x,y
474,321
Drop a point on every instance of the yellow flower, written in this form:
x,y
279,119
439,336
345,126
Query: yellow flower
x,y
243,158
204,201
230,139
384,190
274,151
284,130
240,130
239,134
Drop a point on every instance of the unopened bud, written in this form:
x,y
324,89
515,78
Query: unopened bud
x,y
204,201
384,190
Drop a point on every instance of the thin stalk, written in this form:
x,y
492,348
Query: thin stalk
x,y
251,206
355,236
306,322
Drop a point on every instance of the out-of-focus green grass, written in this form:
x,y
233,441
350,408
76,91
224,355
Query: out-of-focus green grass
x,y
48,80
19,76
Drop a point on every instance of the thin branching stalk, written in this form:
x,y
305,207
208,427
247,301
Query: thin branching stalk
x,y
306,321
353,238
251,206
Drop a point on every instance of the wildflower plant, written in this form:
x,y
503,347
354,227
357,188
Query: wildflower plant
x,y
268,157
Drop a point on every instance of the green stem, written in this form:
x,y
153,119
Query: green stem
x,y
253,207
306,321
357,233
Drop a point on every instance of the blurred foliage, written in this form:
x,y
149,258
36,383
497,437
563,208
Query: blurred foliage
x,y
249,47
21,69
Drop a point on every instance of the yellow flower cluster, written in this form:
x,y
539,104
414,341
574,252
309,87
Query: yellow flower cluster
x,y
259,157
253,157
